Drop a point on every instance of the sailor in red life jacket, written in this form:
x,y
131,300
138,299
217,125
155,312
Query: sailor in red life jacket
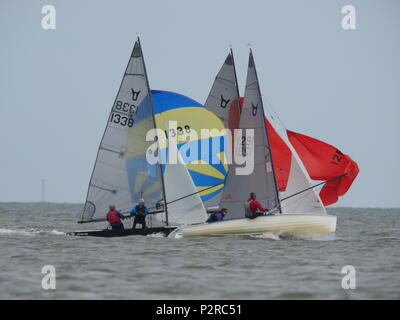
x,y
114,217
255,207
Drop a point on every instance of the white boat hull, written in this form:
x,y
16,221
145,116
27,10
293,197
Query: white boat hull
x,y
298,225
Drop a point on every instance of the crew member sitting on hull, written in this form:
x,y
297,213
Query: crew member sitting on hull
x,y
114,218
139,211
218,216
256,209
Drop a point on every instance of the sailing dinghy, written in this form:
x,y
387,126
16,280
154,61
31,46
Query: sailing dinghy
x,y
298,211
179,195
122,174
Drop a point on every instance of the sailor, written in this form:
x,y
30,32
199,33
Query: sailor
x,y
255,207
139,211
218,216
114,218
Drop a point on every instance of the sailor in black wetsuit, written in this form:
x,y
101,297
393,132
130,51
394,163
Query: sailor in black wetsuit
x,y
139,211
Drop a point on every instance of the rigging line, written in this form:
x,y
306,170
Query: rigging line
x,y
274,115
184,197
293,201
318,184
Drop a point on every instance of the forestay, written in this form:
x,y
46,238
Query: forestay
x,y
262,179
121,173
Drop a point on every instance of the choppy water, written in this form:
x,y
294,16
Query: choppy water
x,y
230,267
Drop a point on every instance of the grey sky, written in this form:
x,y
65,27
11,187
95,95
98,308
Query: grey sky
x,y
57,86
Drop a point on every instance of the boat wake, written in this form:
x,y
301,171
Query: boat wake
x,y
29,232
287,235
57,232
156,235
267,235
22,232
176,234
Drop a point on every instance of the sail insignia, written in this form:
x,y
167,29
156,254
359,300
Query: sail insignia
x,y
224,102
135,94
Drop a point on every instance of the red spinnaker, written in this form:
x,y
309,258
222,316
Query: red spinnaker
x,y
281,157
323,161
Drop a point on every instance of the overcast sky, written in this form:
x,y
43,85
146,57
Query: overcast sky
x,y
57,86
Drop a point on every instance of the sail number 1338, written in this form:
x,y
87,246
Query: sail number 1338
x,y
122,120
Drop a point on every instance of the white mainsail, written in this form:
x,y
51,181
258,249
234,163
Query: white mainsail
x,y
184,203
121,173
305,202
262,179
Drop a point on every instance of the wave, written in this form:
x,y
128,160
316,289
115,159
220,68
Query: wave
x,y
57,232
286,235
267,235
28,232
156,235
24,232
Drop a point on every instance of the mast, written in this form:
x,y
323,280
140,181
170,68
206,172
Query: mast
x,y
266,132
154,122
236,82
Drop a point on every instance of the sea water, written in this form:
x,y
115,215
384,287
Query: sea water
x,y
269,266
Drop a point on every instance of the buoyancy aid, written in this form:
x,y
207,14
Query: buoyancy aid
x,y
113,217
140,210
212,217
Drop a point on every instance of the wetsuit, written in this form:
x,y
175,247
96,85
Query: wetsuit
x,y
216,216
140,211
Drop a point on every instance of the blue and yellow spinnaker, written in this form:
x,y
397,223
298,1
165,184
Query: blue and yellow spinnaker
x,y
205,163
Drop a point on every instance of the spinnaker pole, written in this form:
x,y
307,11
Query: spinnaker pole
x,y
314,186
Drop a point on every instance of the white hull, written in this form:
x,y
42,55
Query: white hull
x,y
299,225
